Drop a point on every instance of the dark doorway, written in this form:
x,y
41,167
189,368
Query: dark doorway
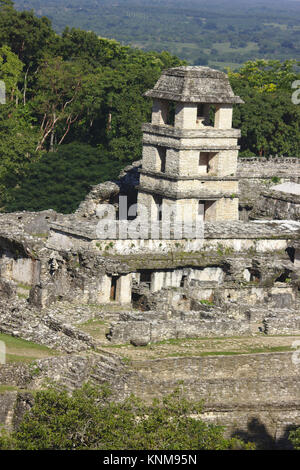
x,y
113,289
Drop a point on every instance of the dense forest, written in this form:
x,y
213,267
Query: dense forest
x,y
215,33
74,108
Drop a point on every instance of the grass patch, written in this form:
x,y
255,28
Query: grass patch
x,y
8,388
24,286
234,353
40,235
96,328
118,346
92,321
21,350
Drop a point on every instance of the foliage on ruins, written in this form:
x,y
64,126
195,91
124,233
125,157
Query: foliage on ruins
x,y
78,89
89,419
294,437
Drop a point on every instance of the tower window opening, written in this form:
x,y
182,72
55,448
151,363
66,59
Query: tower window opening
x,y
158,203
201,209
206,210
200,110
204,165
162,152
170,121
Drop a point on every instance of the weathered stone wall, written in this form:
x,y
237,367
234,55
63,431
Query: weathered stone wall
x,y
254,395
17,319
256,175
259,167
191,325
279,205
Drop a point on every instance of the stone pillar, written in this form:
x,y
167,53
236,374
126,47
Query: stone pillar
x,y
124,285
223,117
157,281
186,115
104,290
159,112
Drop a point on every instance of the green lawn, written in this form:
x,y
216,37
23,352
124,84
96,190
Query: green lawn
x,y
20,350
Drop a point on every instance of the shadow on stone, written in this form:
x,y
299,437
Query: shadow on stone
x,y
258,434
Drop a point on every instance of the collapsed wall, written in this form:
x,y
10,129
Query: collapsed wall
x,y
256,175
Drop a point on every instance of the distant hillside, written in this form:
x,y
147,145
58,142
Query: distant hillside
x,y
217,33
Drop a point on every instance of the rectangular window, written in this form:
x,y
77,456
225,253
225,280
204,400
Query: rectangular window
x,y
200,111
158,202
171,113
206,210
204,166
162,152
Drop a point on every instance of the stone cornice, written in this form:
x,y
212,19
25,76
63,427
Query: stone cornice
x,y
169,176
208,132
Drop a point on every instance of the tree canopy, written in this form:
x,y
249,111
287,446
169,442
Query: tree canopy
x,y
89,419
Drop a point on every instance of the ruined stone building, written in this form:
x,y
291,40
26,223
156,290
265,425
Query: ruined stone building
x,y
238,278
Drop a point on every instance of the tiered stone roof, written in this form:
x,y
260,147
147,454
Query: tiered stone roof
x,y
192,84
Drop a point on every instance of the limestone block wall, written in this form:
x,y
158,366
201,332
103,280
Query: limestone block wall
x,y
104,290
182,209
278,205
153,331
147,206
201,142
150,158
227,209
248,378
173,278
227,162
188,162
256,396
259,167
22,270
7,404
191,187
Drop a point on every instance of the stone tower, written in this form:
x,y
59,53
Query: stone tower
x,y
189,161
